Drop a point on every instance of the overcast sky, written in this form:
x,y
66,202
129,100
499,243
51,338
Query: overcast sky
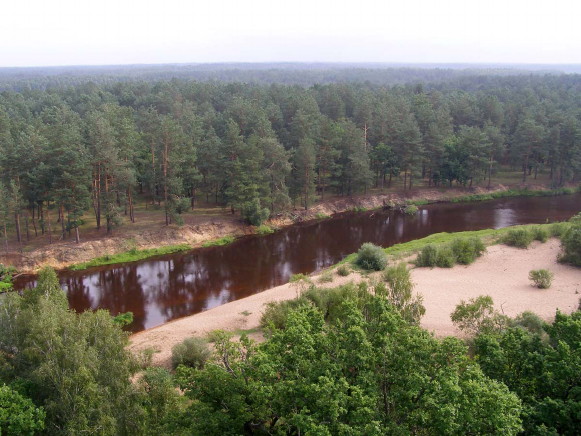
x,y
82,32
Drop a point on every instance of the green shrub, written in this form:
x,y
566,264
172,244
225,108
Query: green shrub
x,y
192,352
123,319
276,313
558,229
540,234
343,271
571,243
410,209
531,322
467,250
446,258
520,238
321,216
428,256
542,278
371,257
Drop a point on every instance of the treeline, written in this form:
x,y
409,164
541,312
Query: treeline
x,y
261,149
348,360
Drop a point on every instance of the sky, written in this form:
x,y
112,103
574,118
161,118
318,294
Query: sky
x,y
106,32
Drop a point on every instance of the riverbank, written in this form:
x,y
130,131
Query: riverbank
x,y
138,241
502,273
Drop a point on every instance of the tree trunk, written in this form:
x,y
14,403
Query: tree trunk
x,y
5,238
62,215
77,239
17,224
48,222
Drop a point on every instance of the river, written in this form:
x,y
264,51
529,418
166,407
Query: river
x,y
168,287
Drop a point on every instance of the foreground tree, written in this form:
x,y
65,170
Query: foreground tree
x,y
367,371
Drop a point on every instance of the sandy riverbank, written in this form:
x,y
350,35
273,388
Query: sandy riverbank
x,y
501,273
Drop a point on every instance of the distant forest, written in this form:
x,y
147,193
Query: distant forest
x,y
92,138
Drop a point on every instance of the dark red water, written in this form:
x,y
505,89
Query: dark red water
x,y
169,287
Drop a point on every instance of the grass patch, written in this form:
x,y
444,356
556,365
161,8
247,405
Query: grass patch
x,y
263,229
514,193
321,216
130,256
219,242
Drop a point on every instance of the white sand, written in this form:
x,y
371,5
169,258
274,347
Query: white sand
x,y
501,273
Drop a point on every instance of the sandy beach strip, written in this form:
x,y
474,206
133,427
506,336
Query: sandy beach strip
x,y
502,272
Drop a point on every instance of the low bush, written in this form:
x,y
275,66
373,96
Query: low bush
x,y
467,250
371,257
571,243
520,238
446,258
276,313
558,229
530,321
540,234
192,352
343,271
428,257
410,209
542,278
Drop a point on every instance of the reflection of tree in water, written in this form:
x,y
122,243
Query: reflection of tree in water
x,y
79,293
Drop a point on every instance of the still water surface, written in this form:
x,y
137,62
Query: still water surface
x,y
168,287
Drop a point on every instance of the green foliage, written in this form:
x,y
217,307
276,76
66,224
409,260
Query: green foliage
x,y
191,352
460,250
225,240
411,209
558,229
531,322
123,319
520,238
75,366
467,250
254,213
370,257
343,270
514,193
364,371
478,316
263,229
275,314
132,255
446,258
542,278
18,415
162,403
428,257
540,234
543,373
571,244
6,273
399,293
321,216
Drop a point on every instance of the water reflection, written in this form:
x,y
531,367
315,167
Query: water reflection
x,y
170,287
